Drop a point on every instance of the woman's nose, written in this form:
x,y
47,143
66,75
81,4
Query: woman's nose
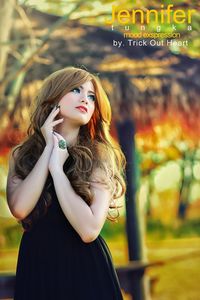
x,y
84,99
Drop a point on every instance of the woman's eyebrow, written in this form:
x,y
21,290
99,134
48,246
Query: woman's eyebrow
x,y
88,91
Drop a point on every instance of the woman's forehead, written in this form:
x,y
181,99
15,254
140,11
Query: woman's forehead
x,y
88,85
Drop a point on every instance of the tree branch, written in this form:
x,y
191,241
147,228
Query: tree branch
x,y
23,66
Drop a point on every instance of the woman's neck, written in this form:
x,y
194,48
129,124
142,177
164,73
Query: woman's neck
x,y
68,132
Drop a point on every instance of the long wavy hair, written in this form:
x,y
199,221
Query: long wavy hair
x,y
95,147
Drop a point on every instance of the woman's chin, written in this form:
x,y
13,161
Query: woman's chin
x,y
81,121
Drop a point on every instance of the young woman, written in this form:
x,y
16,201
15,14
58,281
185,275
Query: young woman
x,y
63,182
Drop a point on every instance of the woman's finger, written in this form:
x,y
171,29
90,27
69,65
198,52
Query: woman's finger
x,y
54,123
59,136
53,114
55,139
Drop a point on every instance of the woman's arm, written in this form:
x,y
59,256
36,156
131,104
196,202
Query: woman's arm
x,y
22,195
86,220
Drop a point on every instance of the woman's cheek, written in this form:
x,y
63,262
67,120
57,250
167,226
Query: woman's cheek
x,y
63,107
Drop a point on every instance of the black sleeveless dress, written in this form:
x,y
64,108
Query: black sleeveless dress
x,y
55,264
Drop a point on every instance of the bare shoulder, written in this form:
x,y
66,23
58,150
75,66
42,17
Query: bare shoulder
x,y
97,173
12,158
99,185
12,180
99,179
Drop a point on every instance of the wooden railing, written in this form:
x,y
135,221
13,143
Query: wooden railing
x,y
7,282
126,275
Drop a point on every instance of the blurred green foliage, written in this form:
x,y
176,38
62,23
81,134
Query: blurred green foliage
x,y
188,228
13,236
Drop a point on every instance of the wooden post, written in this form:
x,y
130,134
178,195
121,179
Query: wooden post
x,y
126,133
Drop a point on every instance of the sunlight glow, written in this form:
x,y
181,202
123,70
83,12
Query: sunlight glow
x,y
167,177
196,170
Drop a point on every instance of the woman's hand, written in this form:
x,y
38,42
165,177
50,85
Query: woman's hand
x,y
47,127
58,155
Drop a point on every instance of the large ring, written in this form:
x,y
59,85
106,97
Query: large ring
x,y
62,144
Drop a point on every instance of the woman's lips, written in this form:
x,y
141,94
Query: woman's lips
x,y
82,108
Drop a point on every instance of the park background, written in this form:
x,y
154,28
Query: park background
x,y
155,88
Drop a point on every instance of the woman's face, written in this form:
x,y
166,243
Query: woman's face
x,y
78,105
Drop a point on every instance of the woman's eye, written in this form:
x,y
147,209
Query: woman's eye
x,y
76,90
92,97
